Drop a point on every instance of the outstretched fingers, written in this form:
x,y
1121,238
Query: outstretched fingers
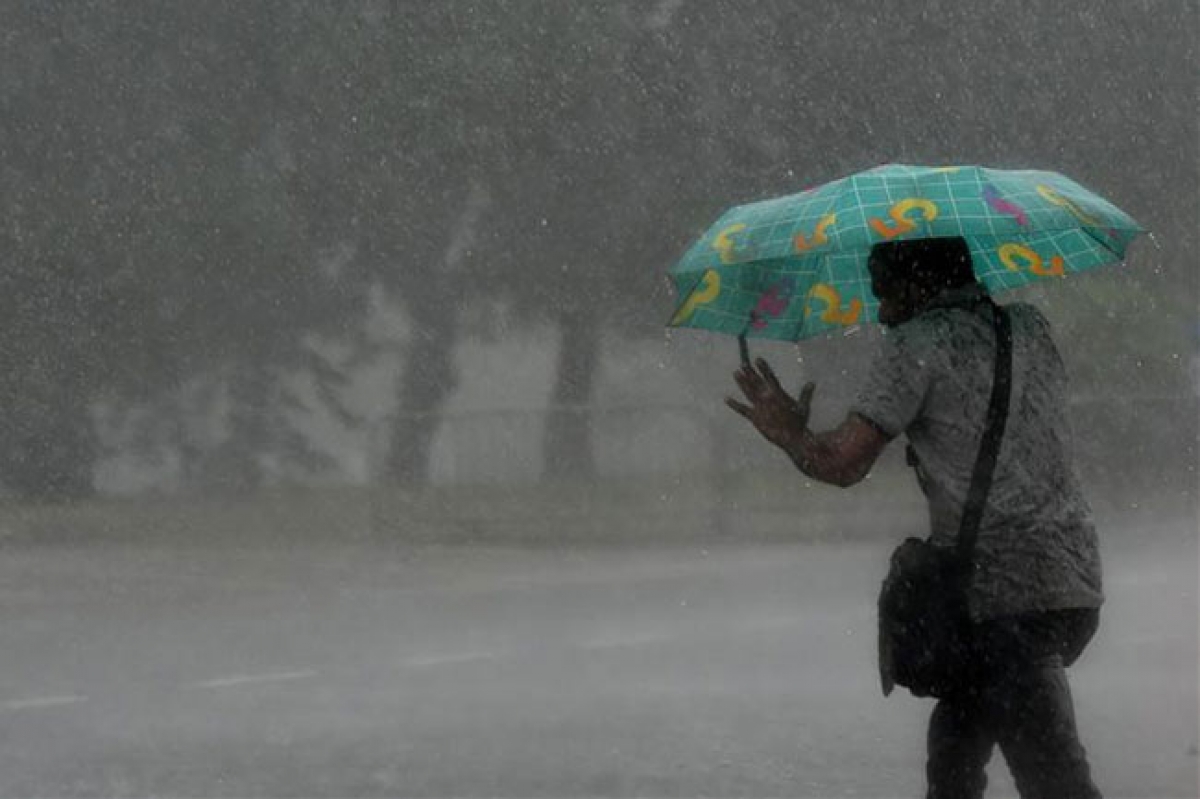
x,y
804,403
806,395
768,375
749,382
742,409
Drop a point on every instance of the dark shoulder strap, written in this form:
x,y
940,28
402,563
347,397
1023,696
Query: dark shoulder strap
x,y
989,447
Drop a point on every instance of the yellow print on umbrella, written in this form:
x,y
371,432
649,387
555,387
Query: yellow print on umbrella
x,y
1052,196
724,244
834,313
1017,257
819,238
901,223
711,283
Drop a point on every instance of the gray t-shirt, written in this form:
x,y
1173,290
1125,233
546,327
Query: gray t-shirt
x,y
932,381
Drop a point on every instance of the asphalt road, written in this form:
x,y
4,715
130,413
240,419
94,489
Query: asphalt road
x,y
192,670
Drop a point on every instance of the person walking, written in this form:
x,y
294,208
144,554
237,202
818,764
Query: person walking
x,y
1035,587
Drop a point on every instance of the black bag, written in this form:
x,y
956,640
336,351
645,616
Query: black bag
x,y
924,623
924,626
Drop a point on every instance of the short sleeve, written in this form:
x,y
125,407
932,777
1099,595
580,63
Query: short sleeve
x,y
1041,330
895,386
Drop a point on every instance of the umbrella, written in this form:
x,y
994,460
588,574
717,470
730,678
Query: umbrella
x,y
794,267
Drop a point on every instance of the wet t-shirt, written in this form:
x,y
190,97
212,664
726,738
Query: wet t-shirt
x,y
932,381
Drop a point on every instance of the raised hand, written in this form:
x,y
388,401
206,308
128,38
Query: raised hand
x,y
779,417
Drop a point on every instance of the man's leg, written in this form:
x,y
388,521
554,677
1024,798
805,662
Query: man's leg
x,y
1031,710
1035,723
959,747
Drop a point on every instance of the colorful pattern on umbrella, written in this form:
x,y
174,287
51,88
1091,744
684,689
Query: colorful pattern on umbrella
x,y
796,266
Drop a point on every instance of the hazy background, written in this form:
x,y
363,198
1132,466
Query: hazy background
x,y
254,243
343,451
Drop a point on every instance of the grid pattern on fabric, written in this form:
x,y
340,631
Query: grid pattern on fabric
x,y
795,266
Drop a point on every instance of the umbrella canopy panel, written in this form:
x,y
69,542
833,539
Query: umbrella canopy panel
x,y
796,266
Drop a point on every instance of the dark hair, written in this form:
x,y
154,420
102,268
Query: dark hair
x,y
934,264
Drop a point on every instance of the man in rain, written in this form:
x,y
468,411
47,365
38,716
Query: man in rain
x,y
1035,589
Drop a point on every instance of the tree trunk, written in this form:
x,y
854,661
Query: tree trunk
x,y
234,467
568,442
50,448
430,375
429,379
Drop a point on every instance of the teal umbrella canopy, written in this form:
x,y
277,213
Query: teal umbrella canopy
x,y
794,267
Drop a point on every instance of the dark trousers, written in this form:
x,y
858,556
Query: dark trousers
x,y
1017,697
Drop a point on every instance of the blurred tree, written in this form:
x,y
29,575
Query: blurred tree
x,y
406,133
577,239
57,272
193,194
154,226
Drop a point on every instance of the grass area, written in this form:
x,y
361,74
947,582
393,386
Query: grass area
x,y
758,505
772,504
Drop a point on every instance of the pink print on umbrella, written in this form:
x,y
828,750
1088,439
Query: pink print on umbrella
x,y
772,302
998,203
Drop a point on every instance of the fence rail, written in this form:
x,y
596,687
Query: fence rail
x,y
664,473
1151,432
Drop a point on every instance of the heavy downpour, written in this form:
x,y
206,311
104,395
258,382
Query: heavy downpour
x,y
566,398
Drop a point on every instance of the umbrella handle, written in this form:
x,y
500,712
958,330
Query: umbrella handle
x,y
744,351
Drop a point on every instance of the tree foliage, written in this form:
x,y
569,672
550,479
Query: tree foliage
x,y
193,193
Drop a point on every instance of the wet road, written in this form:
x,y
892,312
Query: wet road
x,y
377,671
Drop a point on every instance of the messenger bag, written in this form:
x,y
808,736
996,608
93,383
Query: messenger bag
x,y
924,621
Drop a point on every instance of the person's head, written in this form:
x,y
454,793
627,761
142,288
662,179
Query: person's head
x,y
906,275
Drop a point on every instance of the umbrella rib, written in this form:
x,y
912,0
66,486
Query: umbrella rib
x,y
1095,237
684,297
